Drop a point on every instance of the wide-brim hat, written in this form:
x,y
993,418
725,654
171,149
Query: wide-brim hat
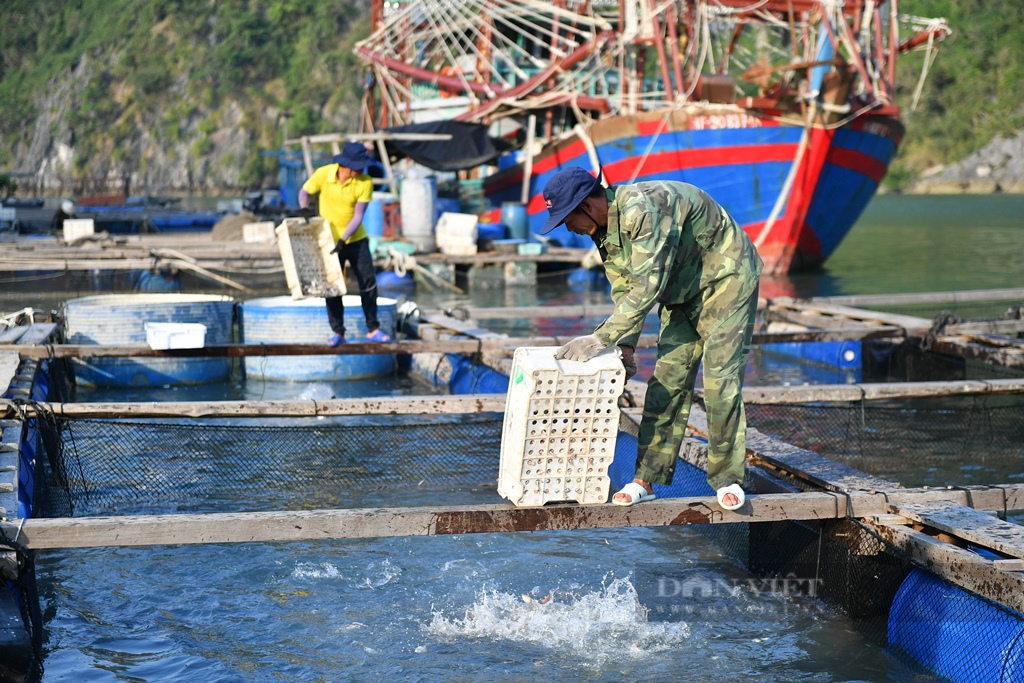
x,y
353,155
564,192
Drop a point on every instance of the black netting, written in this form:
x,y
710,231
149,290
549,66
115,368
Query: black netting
x,y
24,663
918,442
135,466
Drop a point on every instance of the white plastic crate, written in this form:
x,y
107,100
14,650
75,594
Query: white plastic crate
x,y
310,269
75,228
163,336
456,234
561,423
258,232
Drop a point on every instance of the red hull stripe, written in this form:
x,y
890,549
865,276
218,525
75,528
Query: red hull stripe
x,y
662,162
862,163
665,162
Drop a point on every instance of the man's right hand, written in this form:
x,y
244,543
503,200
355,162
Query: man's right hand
x,y
305,214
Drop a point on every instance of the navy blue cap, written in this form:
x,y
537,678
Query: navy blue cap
x,y
353,155
564,192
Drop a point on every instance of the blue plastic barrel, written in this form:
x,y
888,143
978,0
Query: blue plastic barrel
x,y
283,320
841,355
388,280
515,218
490,231
120,320
955,634
373,218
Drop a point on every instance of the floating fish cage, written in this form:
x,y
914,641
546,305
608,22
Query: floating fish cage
x,y
934,616
120,320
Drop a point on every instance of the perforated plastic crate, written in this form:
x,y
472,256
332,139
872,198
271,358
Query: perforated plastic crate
x,y
310,269
561,422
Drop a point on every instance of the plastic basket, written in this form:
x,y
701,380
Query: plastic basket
x,y
561,423
310,269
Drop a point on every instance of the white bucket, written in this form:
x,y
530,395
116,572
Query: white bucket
x,y
418,197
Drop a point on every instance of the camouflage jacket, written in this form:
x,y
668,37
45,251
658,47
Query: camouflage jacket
x,y
668,243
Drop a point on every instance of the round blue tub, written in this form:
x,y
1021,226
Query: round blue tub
x,y
283,320
120,319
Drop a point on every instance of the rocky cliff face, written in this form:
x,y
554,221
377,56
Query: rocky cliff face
x,y
137,156
997,167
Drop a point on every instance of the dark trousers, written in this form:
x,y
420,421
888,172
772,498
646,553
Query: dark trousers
x,y
358,254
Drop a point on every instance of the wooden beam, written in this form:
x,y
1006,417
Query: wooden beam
x,y
1016,294
969,524
557,255
37,333
413,405
1008,353
83,532
878,391
9,363
958,566
250,350
846,313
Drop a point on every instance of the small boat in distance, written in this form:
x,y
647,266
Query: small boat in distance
x,y
783,110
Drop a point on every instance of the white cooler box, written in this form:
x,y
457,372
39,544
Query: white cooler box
x,y
165,336
561,423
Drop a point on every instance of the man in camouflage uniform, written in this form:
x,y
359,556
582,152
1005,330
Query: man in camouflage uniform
x,y
670,243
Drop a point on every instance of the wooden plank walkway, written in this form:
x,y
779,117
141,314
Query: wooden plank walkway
x,y
963,296
486,403
387,405
83,532
968,524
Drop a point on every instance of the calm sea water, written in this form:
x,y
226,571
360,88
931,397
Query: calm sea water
x,y
453,608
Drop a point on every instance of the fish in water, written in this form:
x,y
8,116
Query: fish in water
x,y
543,601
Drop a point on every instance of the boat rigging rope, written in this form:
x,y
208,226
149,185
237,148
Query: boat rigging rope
x,y
929,55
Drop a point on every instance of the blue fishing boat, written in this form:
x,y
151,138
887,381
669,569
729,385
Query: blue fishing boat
x,y
783,110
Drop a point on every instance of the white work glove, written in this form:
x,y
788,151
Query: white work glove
x,y
580,348
628,361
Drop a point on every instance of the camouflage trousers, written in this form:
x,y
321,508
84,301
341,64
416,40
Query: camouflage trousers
x,y
724,347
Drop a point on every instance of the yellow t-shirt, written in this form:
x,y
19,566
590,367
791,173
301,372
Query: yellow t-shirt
x,y
338,200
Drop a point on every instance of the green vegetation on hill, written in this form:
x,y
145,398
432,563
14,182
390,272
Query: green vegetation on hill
x,y
113,80
169,69
973,90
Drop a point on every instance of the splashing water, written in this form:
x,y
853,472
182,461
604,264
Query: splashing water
x,y
597,626
317,391
311,570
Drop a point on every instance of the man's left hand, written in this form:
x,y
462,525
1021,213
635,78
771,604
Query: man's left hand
x,y
581,348
628,360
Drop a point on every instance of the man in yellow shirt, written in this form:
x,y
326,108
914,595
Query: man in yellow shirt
x,y
345,190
